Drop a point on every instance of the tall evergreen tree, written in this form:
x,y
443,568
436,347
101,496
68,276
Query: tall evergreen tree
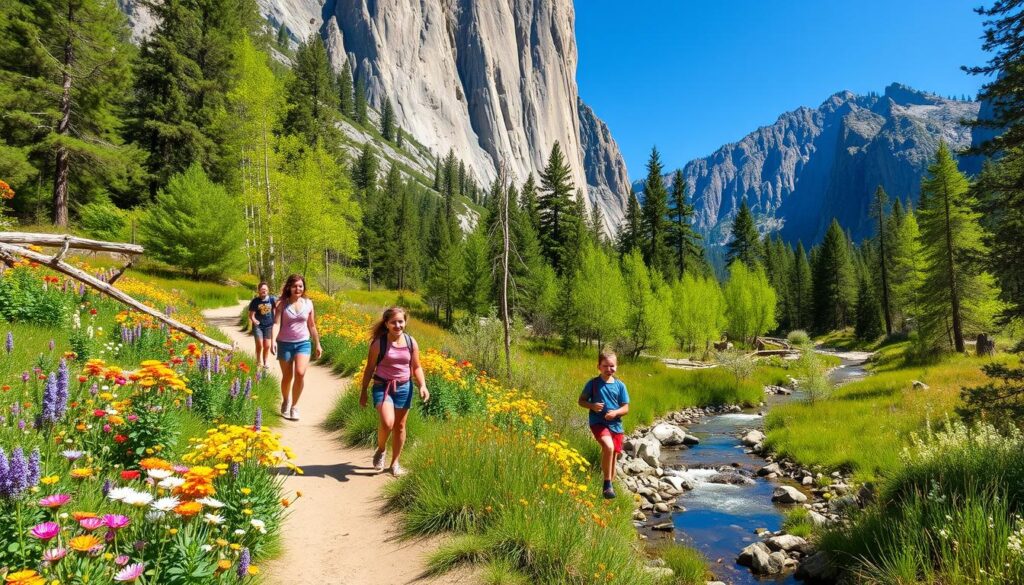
x,y
1003,38
879,203
387,120
530,203
312,97
449,184
654,213
802,293
596,225
184,73
346,99
437,174
476,286
683,240
282,37
957,294
359,102
364,172
556,209
868,325
745,244
835,283
632,229
1001,197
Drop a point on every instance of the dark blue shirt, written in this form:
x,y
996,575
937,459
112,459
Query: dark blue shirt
x,y
612,394
264,309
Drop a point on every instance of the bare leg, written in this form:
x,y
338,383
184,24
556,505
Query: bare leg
x,y
286,380
607,457
301,365
386,423
266,353
260,355
398,436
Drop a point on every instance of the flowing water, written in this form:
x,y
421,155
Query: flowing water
x,y
720,520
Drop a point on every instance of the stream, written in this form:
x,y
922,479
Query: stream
x,y
720,520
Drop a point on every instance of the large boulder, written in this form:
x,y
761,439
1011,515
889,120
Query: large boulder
x,y
649,450
668,435
785,494
637,467
730,479
746,557
690,440
817,568
753,438
787,543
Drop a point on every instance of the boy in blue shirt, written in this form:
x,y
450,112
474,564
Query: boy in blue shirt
x,y
608,401
261,316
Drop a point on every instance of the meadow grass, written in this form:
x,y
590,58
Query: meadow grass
x,y
864,425
689,567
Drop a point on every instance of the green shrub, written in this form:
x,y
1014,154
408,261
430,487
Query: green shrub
x,y
23,300
689,567
798,337
103,220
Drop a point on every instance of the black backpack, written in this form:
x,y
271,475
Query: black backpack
x,y
384,348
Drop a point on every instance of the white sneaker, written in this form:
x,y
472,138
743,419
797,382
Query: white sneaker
x,y
286,407
378,460
294,414
397,470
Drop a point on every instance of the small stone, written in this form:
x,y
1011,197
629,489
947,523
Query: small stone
x,y
639,516
770,469
807,480
753,438
663,527
662,508
919,385
785,494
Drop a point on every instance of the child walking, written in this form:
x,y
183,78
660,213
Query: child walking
x,y
608,401
261,315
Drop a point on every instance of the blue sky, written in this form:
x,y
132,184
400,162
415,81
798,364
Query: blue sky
x,y
690,76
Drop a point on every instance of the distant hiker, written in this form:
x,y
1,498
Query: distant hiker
x,y
261,316
607,400
295,340
393,361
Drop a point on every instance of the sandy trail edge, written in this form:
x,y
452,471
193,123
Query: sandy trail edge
x,y
336,533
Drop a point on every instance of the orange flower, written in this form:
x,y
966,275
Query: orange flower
x,y
78,516
188,509
155,463
7,193
28,576
84,543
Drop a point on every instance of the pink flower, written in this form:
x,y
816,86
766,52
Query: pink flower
x,y
54,554
130,573
90,524
180,469
46,530
121,560
55,501
115,521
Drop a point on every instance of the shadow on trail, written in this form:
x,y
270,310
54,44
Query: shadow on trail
x,y
341,472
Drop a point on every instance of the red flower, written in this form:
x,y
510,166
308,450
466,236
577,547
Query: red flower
x,y
5,388
127,475
99,413
244,367
82,379
92,311
122,439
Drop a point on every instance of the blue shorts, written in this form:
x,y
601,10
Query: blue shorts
x,y
401,396
260,332
287,350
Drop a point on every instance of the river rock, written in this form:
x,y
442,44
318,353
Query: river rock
x,y
662,508
919,385
730,479
807,480
770,469
649,450
818,520
746,557
639,516
663,527
753,438
668,435
637,467
787,543
866,494
817,568
785,494
677,482
690,440
843,504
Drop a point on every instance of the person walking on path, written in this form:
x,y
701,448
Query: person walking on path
x,y
608,401
261,316
393,360
297,338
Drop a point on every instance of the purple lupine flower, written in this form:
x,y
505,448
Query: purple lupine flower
x,y
9,344
94,389
235,470
50,398
25,376
5,475
203,361
63,387
235,388
107,486
188,402
248,388
81,290
124,334
216,363
230,356
243,563
168,310
258,424
138,331
18,471
259,374
53,344
33,468
21,424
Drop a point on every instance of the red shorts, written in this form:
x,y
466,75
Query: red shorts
x,y
602,431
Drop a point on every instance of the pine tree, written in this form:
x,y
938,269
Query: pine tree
x,y
555,210
778,267
1001,198
64,76
878,206
437,174
182,77
835,284
359,102
654,213
1004,21
632,229
449,184
475,292
529,203
683,240
462,187
957,295
407,261
745,244
282,37
868,326
802,293
596,225
447,271
387,120
364,172
346,99
312,97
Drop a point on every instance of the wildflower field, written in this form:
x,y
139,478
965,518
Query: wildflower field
x,y
127,452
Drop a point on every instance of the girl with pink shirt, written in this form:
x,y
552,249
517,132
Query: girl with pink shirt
x,y
296,338
393,361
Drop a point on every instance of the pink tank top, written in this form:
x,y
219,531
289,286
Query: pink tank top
x,y
395,365
294,317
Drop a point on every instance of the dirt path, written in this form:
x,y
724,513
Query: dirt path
x,y
336,533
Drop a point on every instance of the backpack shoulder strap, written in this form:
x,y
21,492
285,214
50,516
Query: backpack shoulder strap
x,y
383,348
409,344
593,387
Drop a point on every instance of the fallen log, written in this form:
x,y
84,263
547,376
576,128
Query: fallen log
x,y
10,252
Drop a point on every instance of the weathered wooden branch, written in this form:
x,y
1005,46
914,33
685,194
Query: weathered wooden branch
x,y
10,253
120,272
73,242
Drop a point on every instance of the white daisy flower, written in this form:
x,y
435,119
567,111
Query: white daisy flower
x,y
206,547
118,494
166,504
211,502
159,474
138,499
171,483
214,519
259,525
154,516
239,532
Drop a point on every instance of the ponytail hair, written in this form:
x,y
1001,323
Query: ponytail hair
x,y
380,328
286,291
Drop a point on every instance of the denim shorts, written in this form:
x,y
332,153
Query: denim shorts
x,y
261,332
401,396
287,350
